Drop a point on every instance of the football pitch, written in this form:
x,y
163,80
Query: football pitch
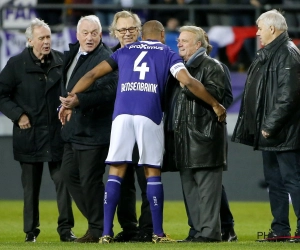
x,y
252,219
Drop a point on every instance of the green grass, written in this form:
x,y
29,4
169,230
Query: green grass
x,y
250,218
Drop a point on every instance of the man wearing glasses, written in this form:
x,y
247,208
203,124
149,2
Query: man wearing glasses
x,y
143,71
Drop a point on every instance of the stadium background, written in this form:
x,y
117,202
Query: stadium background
x,y
245,165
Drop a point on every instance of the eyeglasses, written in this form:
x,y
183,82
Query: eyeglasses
x,y
124,30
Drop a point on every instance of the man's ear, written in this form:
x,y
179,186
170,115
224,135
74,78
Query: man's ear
x,y
163,36
272,28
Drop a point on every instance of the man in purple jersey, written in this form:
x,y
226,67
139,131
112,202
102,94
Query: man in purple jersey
x,y
143,70
127,27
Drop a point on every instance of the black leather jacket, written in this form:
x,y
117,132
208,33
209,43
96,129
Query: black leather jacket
x,y
277,99
199,138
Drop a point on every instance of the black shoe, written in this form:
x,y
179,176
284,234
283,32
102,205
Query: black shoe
x,y
296,239
125,236
187,239
67,237
229,235
198,239
142,236
203,239
276,237
31,236
87,238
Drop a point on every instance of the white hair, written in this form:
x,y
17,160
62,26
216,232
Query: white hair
x,y
90,18
33,24
199,34
273,18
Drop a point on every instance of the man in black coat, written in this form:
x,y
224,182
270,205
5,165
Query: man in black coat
x,y
87,133
269,119
29,91
195,140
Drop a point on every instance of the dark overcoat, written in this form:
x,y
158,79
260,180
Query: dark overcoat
x,y
26,89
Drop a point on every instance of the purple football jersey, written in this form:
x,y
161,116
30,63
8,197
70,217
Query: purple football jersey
x,y
143,67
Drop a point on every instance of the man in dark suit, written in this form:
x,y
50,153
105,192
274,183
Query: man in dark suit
x,y
87,132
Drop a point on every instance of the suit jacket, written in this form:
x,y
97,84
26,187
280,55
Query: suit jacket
x,y
90,123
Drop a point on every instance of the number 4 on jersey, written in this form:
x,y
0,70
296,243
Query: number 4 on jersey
x,y
143,68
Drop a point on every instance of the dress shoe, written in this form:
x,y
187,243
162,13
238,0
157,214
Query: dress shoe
x,y
31,236
276,237
203,239
229,235
126,236
87,238
199,239
142,236
67,236
296,239
187,239
190,237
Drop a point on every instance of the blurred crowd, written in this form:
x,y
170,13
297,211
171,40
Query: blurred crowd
x,y
166,16
172,18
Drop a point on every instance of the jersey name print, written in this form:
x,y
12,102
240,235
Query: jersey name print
x,y
139,86
144,67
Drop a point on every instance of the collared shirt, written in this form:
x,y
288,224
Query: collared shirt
x,y
73,65
79,53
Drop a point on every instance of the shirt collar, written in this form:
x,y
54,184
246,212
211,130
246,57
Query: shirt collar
x,y
79,53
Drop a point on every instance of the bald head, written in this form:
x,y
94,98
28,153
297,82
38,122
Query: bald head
x,y
153,30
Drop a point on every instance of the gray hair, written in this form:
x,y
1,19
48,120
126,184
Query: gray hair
x,y
90,18
33,24
200,34
125,14
273,18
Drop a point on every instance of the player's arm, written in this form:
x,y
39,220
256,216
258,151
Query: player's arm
x,y
197,88
90,77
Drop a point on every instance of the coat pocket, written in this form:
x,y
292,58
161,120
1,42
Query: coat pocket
x,y
24,140
202,123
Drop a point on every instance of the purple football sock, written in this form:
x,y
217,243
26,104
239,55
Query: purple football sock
x,y
111,199
155,195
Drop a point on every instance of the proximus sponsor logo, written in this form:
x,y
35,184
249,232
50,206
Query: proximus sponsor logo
x,y
145,46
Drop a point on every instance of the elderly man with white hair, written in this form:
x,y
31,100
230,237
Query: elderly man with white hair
x,y
269,119
29,90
